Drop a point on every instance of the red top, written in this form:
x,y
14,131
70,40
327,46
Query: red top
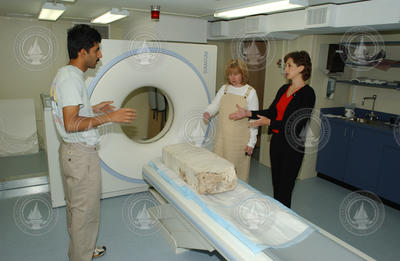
x,y
281,106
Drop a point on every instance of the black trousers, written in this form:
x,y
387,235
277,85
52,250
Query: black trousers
x,y
285,166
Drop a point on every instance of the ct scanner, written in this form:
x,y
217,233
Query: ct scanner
x,y
186,74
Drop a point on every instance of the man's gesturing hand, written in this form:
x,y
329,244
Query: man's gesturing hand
x,y
123,115
103,107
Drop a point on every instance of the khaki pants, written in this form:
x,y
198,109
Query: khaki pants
x,y
80,167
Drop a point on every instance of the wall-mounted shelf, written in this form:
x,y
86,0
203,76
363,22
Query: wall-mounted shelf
x,y
397,64
385,62
385,43
385,86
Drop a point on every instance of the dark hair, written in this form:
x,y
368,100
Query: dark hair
x,y
81,36
301,58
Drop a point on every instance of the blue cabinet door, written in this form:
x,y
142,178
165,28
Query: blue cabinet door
x,y
332,158
389,180
364,156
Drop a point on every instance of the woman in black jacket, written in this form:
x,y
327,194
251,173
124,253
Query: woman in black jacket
x,y
287,119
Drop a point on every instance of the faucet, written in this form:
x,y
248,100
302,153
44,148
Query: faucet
x,y
371,115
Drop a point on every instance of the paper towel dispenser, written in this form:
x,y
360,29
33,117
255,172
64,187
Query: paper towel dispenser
x,y
331,59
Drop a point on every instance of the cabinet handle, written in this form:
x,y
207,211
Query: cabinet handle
x,y
352,133
345,132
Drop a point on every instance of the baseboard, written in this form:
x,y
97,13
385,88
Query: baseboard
x,y
352,188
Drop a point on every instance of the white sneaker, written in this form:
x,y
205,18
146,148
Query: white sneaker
x,y
99,251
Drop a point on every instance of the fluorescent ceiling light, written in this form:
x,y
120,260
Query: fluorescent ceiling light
x,y
258,8
51,11
111,16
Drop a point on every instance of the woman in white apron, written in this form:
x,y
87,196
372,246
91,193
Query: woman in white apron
x,y
234,140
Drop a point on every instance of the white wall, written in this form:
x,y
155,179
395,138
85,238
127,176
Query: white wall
x,y
169,28
16,80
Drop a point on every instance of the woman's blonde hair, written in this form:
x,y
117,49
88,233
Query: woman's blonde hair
x,y
240,66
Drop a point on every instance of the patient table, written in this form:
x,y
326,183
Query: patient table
x,y
189,223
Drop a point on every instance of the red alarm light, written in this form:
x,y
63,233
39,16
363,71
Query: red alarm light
x,y
155,12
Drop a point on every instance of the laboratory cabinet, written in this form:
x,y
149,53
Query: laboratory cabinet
x,y
332,158
389,178
363,156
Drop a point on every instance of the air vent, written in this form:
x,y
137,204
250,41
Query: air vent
x,y
104,30
219,29
320,16
317,16
255,24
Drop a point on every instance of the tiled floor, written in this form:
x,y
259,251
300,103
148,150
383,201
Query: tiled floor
x,y
315,199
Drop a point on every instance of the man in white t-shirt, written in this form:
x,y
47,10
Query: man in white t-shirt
x,y
76,123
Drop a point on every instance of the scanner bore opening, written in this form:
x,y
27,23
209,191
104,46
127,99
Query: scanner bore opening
x,y
154,114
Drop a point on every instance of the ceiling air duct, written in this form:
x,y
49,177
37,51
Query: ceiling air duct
x,y
320,16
